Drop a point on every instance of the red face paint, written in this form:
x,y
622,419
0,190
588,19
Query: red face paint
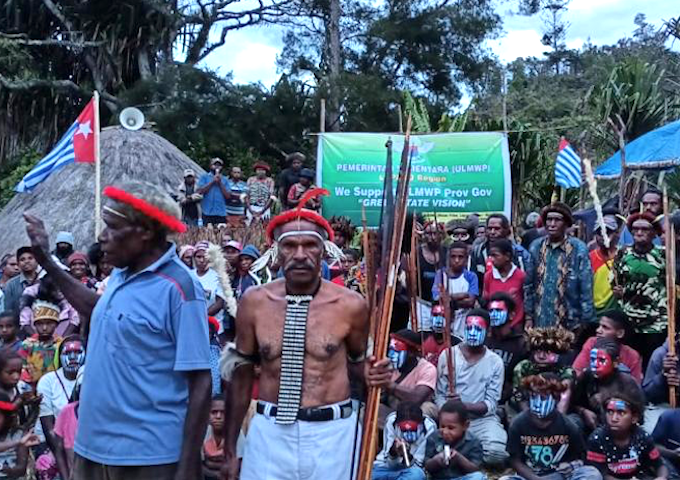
x,y
601,363
398,345
476,321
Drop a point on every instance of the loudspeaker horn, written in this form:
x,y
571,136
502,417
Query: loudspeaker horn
x,y
131,118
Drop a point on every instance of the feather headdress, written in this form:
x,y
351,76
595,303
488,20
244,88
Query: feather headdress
x,y
217,262
552,339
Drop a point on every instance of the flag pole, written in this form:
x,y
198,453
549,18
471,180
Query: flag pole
x,y
97,172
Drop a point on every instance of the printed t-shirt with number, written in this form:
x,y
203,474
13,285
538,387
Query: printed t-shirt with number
x,y
640,458
543,450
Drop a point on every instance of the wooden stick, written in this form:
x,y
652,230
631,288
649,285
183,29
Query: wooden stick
x,y
445,299
405,454
97,171
412,276
670,286
389,269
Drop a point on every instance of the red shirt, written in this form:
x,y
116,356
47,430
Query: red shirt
x,y
513,285
629,357
431,349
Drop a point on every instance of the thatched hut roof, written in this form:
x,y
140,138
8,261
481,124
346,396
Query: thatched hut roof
x,y
65,201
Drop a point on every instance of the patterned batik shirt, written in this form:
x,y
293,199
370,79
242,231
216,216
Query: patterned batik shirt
x,y
643,278
259,191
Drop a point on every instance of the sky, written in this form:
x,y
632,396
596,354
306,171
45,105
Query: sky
x,y
250,54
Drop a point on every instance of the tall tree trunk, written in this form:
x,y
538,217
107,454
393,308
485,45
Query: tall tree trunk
x,y
334,63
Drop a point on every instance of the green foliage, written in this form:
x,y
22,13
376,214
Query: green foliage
x,y
452,123
633,92
417,110
14,171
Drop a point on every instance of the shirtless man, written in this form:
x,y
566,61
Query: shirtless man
x,y
306,428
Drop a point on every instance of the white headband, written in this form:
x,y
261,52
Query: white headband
x,y
301,232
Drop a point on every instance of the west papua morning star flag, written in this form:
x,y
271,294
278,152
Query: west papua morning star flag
x,y
567,167
77,145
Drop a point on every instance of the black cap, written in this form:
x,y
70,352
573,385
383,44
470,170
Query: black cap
x,y
307,173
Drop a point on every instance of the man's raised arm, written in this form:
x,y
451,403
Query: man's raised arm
x,y
78,295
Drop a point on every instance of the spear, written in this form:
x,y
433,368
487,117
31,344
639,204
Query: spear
x,y
387,289
669,238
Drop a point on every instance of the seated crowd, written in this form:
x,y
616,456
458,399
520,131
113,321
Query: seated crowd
x,y
558,366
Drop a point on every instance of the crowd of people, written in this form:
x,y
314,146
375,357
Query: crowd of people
x,y
219,359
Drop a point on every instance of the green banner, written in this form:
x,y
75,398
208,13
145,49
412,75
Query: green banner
x,y
452,174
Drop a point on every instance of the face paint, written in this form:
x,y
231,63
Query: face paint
x,y
498,313
438,319
601,363
72,357
618,405
475,331
397,353
410,430
541,405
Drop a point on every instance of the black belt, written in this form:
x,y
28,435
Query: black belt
x,y
315,414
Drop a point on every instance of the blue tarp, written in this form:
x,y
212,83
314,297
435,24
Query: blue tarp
x,y
658,149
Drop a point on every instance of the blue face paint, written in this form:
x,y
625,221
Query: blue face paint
x,y
396,357
498,313
498,317
438,323
541,405
410,430
475,331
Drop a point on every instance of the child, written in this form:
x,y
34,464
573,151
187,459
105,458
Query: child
x,y
542,441
9,327
545,347
38,351
452,452
298,190
46,290
405,434
614,325
478,381
215,352
601,377
621,448
462,284
14,444
18,392
504,340
65,428
213,448
506,277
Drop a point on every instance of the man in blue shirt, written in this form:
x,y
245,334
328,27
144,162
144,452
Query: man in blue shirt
x,y
144,405
215,190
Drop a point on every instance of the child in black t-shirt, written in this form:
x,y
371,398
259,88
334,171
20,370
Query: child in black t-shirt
x,y
452,452
621,449
542,441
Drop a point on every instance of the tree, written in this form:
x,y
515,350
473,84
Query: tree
x,y
554,27
430,49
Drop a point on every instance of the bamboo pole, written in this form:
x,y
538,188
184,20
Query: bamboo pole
x,y
670,286
384,312
97,171
445,298
322,116
413,275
